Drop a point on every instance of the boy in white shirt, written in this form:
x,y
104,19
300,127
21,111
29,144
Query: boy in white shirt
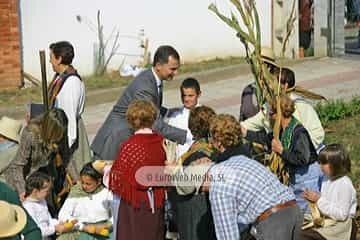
x,y
190,93
179,117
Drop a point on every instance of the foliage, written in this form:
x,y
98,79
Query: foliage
x,y
267,86
339,109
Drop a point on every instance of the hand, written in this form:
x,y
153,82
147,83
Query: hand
x,y
100,229
205,187
200,161
100,226
171,111
60,228
27,119
276,146
89,228
243,131
169,167
22,196
67,226
311,196
99,165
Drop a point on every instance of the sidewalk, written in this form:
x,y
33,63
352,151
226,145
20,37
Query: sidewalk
x,y
334,78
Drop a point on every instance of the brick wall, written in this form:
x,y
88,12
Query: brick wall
x,y
10,58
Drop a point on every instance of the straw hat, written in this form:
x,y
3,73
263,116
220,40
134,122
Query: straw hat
x,y
268,56
10,128
12,219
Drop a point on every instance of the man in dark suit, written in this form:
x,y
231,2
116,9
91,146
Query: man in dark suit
x,y
147,86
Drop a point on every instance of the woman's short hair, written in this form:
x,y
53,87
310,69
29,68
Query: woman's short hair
x,y
337,157
287,105
63,49
141,114
224,128
199,121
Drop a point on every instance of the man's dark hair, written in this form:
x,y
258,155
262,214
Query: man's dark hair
x,y
191,83
287,76
163,53
88,170
37,180
64,50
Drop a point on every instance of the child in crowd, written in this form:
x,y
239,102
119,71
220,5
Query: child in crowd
x,y
89,203
37,187
337,199
194,216
141,214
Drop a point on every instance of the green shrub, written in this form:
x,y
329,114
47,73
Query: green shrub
x,y
339,109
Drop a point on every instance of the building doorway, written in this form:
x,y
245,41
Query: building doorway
x,y
352,26
306,28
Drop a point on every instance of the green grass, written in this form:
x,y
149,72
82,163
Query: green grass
x,y
113,79
10,98
210,64
346,131
341,120
109,80
339,109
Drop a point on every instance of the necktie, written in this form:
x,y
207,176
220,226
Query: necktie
x,y
160,93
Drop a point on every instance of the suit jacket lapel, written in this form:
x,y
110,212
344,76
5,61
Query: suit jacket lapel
x,y
159,95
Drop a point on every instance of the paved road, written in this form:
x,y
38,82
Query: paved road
x,y
334,78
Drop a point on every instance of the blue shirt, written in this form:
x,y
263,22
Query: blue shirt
x,y
6,145
240,191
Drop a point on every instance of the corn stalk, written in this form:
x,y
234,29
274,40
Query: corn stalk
x,y
289,29
268,87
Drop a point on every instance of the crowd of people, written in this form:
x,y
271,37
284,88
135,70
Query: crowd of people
x,y
53,185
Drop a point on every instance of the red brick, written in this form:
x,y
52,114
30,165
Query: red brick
x,y
10,62
5,6
14,22
4,28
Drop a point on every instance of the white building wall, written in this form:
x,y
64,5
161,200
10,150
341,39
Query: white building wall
x,y
188,25
321,28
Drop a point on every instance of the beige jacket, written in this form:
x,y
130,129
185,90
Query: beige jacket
x,y
304,112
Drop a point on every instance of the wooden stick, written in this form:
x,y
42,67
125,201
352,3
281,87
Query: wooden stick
x,y
43,79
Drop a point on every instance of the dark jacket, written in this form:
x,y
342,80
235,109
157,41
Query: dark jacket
x,y
31,231
116,130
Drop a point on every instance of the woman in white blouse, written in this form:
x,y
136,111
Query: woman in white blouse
x,y
67,92
337,199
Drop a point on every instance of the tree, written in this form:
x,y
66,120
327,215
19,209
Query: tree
x,y
102,59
